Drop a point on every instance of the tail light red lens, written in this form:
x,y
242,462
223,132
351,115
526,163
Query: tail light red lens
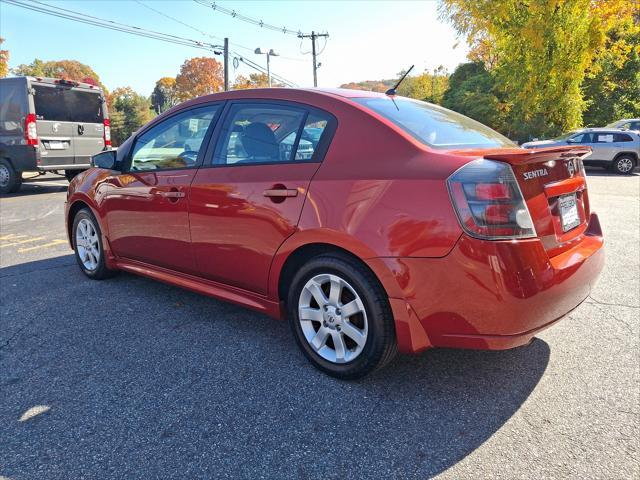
x,y
488,201
30,131
107,132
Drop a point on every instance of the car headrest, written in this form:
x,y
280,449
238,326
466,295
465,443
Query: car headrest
x,y
260,142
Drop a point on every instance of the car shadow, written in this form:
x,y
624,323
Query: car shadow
x,y
137,378
39,186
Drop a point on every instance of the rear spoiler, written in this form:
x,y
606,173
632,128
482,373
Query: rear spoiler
x,y
526,156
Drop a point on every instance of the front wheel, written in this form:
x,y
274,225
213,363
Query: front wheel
x,y
340,317
624,165
87,243
10,180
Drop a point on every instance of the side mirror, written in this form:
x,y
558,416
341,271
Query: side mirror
x,y
106,160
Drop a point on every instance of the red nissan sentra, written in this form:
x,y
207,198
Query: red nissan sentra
x,y
374,223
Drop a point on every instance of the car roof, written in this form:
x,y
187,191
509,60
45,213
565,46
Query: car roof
x,y
286,94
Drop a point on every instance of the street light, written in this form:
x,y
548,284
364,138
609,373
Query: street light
x,y
269,54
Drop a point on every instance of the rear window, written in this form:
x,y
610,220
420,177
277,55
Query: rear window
x,y
435,126
66,105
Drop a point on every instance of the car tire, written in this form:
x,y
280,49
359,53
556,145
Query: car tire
x,y
10,180
87,244
345,345
624,165
71,174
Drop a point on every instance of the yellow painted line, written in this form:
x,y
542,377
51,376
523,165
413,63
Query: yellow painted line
x,y
11,236
28,240
38,247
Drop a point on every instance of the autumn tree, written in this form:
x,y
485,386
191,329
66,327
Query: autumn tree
x,y
67,69
428,86
539,53
164,94
4,60
199,76
128,111
255,80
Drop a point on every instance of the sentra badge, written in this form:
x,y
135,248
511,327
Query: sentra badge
x,y
541,172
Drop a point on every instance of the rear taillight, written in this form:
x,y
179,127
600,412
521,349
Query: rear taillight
x,y
30,132
488,201
107,132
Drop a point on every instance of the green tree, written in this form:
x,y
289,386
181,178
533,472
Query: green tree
x,y
128,111
539,53
612,87
164,94
428,86
472,92
67,69
4,60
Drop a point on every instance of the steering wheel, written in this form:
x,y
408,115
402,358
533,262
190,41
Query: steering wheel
x,y
189,156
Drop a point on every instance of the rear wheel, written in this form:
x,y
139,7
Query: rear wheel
x,y
340,317
10,180
624,164
87,243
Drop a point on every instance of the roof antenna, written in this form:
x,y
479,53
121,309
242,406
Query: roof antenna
x,y
392,91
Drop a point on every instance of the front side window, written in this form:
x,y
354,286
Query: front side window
x,y
174,142
260,133
435,126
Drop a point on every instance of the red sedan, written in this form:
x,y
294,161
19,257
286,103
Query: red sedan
x,y
374,223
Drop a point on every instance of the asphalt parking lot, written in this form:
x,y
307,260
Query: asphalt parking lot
x,y
129,378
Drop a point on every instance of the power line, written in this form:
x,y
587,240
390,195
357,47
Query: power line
x,y
240,57
254,21
67,14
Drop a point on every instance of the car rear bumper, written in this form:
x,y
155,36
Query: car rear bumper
x,y
489,294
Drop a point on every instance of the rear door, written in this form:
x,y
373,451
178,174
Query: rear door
x,y
248,200
603,145
85,109
55,131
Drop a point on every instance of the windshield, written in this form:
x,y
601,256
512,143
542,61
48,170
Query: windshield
x,y
564,136
435,126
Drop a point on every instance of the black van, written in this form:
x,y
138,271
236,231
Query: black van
x,y
49,124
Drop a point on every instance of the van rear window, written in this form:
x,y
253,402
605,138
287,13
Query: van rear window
x,y
66,105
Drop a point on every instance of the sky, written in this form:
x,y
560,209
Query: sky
x,y
368,40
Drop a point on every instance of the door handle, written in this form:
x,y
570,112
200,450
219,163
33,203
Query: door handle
x,y
281,192
171,194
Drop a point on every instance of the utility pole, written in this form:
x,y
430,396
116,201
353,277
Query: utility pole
x,y
226,64
313,37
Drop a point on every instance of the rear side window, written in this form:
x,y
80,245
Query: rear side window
x,y
66,105
603,138
622,137
12,109
435,126
260,133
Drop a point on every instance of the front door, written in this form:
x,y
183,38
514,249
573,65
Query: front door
x,y
147,207
248,200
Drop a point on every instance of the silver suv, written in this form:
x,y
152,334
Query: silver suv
x,y
613,148
626,124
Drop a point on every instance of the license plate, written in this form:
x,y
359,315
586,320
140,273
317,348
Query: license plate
x,y
569,212
56,146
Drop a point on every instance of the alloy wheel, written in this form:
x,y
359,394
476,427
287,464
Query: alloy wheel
x,y
333,318
87,244
5,176
625,165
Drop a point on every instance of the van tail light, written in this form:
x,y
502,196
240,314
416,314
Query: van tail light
x,y
107,132
488,201
30,132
